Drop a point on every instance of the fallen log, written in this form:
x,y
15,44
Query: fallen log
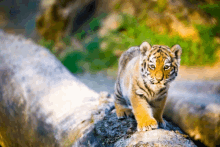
x,y
43,104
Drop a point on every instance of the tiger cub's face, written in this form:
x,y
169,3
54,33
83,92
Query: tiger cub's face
x,y
159,64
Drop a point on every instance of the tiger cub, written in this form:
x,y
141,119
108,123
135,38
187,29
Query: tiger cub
x,y
142,84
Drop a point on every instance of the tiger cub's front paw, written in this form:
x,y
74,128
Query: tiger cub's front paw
x,y
147,125
124,113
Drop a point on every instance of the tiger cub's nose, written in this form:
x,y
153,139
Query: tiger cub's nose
x,y
159,76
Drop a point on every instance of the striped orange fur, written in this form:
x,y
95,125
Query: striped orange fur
x,y
144,75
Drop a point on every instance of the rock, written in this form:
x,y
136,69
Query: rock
x,y
195,108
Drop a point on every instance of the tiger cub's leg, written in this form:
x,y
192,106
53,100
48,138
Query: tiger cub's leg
x,y
122,111
158,113
143,114
121,106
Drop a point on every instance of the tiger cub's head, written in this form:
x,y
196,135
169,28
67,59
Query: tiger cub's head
x,y
159,64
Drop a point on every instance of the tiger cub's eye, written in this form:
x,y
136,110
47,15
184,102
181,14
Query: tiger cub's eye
x,y
152,66
166,67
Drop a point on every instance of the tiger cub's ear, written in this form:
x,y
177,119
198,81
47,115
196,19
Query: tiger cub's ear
x,y
177,50
144,47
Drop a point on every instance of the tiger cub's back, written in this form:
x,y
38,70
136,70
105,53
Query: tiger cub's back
x,y
128,56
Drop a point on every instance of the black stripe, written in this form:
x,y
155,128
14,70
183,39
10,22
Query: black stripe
x,y
147,73
143,89
118,96
159,98
117,93
174,68
143,75
148,93
119,99
118,88
149,90
151,103
172,78
145,64
150,54
166,54
162,89
172,73
163,93
164,50
144,97
122,102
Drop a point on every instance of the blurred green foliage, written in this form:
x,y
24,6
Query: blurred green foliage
x,y
67,40
81,35
161,5
73,62
49,44
132,33
94,24
92,59
213,10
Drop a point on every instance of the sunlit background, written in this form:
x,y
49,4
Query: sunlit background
x,y
88,36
